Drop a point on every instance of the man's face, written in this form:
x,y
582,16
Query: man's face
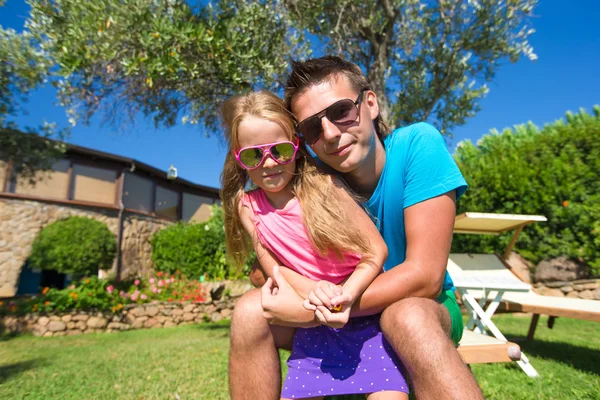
x,y
342,147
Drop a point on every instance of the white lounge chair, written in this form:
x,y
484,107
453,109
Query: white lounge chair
x,y
476,267
478,276
517,301
475,287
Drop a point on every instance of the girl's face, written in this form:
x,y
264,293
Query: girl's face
x,y
270,176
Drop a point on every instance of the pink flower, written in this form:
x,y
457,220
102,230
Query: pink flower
x,y
152,280
133,297
72,287
143,297
154,289
136,293
159,290
161,283
110,289
136,282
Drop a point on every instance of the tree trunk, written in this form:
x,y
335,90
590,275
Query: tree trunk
x,y
376,76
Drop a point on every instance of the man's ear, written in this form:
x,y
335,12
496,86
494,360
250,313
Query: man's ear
x,y
373,104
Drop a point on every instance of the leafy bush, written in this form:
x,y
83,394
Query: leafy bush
x,y
105,295
194,249
554,171
76,245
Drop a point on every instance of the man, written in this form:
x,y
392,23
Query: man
x,y
410,184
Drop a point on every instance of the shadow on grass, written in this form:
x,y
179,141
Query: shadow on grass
x,y
9,370
6,336
581,358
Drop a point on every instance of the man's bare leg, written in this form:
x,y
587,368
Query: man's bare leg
x,y
254,365
418,329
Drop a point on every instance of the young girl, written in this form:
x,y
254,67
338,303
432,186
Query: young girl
x,y
306,221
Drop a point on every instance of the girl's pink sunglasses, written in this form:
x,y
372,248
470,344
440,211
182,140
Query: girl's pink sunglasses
x,y
252,157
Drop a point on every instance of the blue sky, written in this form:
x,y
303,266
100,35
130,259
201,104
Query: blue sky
x,y
565,77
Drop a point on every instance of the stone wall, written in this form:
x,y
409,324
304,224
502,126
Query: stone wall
x,y
153,315
21,220
588,289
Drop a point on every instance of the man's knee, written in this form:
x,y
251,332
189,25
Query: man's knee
x,y
413,317
250,329
248,314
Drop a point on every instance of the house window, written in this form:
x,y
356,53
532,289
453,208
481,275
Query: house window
x,y
52,184
137,193
196,208
167,203
94,184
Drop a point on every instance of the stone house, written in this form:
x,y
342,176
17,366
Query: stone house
x,y
132,198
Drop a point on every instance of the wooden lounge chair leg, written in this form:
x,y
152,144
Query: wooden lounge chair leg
x,y
551,320
532,326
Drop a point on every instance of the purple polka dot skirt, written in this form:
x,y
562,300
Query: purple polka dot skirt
x,y
353,359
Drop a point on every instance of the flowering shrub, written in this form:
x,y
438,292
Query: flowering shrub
x,y
106,295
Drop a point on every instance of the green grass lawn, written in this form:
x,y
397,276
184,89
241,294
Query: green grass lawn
x,y
191,361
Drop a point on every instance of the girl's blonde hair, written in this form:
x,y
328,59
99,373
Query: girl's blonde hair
x,y
325,219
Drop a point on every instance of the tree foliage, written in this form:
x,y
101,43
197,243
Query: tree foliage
x,y
553,171
162,58
24,66
168,60
427,60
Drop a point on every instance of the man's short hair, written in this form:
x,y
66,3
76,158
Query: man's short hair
x,y
318,70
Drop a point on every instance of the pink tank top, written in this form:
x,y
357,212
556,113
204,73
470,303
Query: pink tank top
x,y
282,232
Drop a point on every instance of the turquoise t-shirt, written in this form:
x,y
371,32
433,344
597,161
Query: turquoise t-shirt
x,y
418,167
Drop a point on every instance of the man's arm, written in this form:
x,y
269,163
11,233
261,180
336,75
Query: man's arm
x,y
428,226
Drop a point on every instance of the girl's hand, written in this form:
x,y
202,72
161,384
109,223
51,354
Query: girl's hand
x,y
335,320
322,294
339,301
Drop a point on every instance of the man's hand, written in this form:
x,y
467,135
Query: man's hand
x,y
282,305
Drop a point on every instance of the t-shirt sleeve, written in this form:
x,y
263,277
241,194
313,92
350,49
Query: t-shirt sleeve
x,y
430,169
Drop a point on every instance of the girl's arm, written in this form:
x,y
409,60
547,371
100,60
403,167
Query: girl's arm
x,y
370,264
366,271
293,314
266,260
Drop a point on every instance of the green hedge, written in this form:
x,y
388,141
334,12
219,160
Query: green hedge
x,y
76,245
195,249
553,171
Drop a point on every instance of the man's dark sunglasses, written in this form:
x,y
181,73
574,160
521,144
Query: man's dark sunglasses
x,y
343,112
